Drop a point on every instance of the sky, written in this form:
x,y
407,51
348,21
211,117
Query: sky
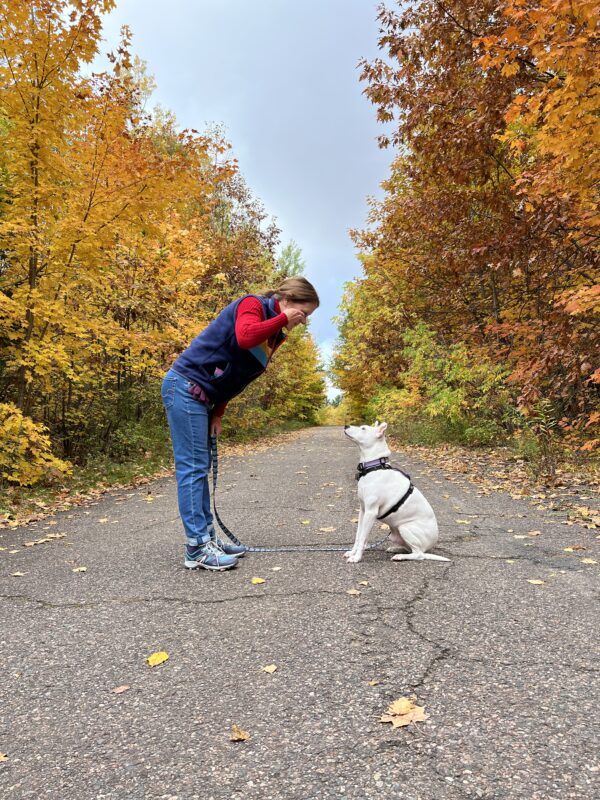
x,y
282,78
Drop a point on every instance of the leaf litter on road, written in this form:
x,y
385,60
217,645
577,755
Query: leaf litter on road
x,y
157,658
238,735
404,711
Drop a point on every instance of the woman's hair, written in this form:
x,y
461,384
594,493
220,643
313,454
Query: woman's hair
x,y
295,288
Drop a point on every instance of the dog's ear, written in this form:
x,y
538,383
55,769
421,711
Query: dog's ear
x,y
381,429
376,423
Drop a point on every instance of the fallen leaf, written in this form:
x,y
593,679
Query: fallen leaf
x,y
327,530
270,668
535,581
354,519
120,689
305,522
79,569
3,757
18,574
353,592
574,547
520,536
103,520
363,583
157,658
404,711
373,683
401,706
510,561
534,533
237,734
275,569
257,580
588,561
463,521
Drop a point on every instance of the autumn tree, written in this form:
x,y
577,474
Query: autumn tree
x,y
472,237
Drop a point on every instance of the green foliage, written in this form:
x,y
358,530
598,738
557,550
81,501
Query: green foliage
x,y
444,394
290,261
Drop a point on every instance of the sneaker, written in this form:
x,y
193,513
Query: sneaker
x,y
229,548
208,556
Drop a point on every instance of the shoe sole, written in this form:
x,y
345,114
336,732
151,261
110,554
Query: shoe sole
x,y
198,565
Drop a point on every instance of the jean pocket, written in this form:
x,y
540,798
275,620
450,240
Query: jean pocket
x,y
168,391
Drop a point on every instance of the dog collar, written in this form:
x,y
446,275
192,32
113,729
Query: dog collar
x,y
370,466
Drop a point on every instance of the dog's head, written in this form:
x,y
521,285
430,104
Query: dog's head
x,y
366,436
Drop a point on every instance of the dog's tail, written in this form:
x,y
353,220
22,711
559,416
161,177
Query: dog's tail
x,y
418,557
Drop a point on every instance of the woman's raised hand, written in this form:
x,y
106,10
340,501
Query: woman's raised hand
x,y
295,317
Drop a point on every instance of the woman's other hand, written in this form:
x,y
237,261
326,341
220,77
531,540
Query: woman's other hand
x,y
215,426
295,317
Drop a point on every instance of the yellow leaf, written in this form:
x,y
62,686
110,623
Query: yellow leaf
x,y
327,530
401,706
463,521
588,561
404,711
510,561
257,580
363,583
305,522
374,683
535,582
237,734
3,757
103,520
157,658
119,689
534,533
18,574
270,668
79,569
354,519
353,592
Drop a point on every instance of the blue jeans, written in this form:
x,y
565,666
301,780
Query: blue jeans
x,y
189,425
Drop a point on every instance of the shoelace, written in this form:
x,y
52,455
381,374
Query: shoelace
x,y
212,549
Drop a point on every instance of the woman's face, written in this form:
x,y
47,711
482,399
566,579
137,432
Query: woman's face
x,y
306,308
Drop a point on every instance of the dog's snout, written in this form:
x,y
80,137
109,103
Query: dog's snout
x,y
346,427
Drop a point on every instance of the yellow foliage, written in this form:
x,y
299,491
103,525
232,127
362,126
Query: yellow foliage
x,y
25,448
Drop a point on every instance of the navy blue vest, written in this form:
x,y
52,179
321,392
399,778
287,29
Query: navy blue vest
x,y
215,361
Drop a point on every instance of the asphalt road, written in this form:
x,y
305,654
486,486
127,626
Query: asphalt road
x,y
507,670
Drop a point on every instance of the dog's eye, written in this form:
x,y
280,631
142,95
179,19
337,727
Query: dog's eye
x,y
363,428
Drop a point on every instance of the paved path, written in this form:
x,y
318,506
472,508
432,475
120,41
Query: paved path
x,y
507,670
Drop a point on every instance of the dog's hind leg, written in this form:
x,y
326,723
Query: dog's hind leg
x,y
397,543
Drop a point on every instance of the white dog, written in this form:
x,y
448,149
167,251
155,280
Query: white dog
x,y
387,494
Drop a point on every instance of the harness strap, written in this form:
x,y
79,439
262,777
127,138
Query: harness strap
x,y
400,502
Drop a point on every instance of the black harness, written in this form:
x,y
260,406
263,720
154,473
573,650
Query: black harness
x,y
384,463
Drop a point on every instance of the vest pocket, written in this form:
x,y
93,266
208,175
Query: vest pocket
x,y
220,374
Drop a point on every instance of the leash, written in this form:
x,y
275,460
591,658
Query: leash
x,y
309,548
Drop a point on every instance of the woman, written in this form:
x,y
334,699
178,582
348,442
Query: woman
x,y
219,363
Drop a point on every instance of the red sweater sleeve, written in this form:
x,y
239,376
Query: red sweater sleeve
x,y
251,328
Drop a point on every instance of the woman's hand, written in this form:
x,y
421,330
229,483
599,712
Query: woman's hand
x,y
215,426
295,317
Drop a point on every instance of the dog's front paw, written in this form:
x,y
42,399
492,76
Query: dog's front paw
x,y
348,553
354,558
